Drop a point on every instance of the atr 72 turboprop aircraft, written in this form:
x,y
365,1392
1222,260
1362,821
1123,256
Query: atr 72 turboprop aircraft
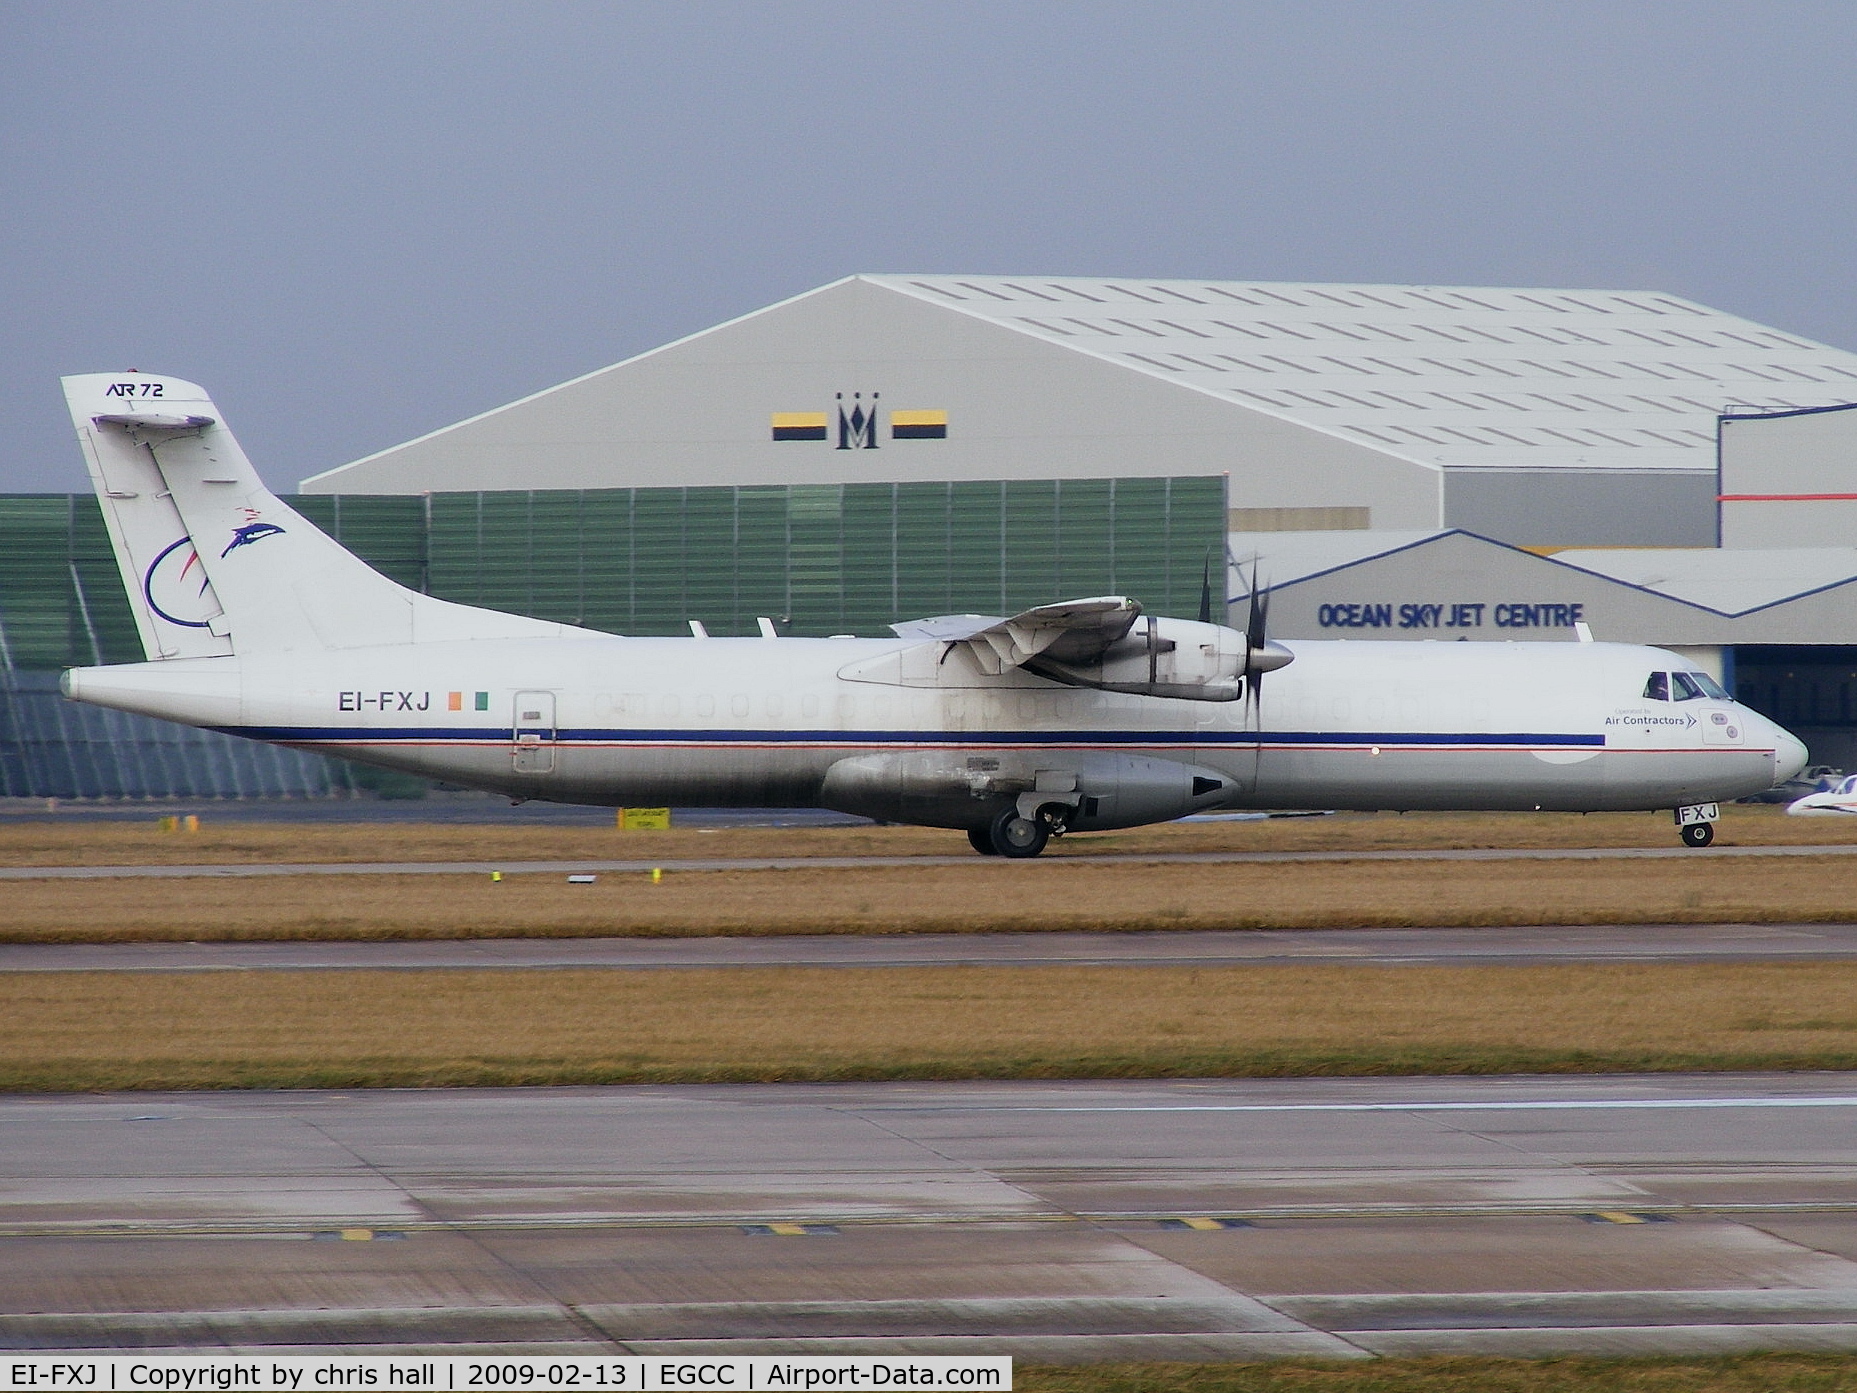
x,y
1075,716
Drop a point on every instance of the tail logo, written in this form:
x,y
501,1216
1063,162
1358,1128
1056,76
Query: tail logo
x,y
175,586
251,532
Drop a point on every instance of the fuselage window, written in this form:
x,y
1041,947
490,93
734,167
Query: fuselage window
x,y
1684,687
1658,687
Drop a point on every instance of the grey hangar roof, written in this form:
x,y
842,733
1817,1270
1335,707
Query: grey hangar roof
x,y
1437,374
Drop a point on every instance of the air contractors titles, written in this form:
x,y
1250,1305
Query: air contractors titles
x,y
1384,614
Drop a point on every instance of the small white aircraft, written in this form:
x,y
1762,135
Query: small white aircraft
x,y
1075,716
1840,801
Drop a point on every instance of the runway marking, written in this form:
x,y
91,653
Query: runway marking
x,y
826,1225
1532,1105
1207,1225
789,1230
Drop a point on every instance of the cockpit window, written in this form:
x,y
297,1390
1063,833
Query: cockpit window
x,y
1658,687
1710,687
1683,686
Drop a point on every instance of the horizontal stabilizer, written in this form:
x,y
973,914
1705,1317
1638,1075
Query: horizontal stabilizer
x,y
153,420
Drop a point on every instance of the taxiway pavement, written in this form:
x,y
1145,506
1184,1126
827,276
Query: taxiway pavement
x,y
641,865
1053,1221
1366,947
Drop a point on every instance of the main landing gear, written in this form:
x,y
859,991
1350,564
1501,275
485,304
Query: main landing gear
x,y
1011,835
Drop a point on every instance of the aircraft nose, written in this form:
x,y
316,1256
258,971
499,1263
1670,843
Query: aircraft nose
x,y
1789,754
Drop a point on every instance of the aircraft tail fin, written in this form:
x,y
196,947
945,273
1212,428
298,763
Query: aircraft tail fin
x,y
177,613
213,561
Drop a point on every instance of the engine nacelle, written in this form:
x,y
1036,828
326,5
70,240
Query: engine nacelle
x,y
1178,658
969,788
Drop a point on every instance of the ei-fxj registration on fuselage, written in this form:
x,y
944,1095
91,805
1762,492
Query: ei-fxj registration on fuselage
x,y
1074,716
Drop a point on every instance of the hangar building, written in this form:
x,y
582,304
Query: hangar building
x,y
1543,417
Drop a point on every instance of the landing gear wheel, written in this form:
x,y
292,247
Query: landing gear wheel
x,y
1018,837
981,840
1698,834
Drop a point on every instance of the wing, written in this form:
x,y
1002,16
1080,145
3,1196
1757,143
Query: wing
x,y
1073,631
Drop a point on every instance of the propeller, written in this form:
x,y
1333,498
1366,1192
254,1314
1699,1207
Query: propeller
x,y
1205,589
1260,654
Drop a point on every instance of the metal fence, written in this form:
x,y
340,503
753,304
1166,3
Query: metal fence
x,y
841,558
53,748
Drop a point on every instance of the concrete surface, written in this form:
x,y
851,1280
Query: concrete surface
x,y
800,863
1053,1221
1371,947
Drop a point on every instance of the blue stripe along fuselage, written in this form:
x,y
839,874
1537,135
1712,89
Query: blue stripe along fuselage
x,y
479,735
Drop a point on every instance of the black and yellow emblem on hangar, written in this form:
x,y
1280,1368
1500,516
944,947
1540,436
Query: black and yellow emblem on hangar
x,y
857,423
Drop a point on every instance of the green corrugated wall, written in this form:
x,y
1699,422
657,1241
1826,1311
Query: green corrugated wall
x,y
61,600
822,559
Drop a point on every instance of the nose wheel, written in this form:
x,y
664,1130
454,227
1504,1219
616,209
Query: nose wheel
x,y
1698,834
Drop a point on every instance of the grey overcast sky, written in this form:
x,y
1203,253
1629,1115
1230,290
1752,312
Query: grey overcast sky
x,y
356,222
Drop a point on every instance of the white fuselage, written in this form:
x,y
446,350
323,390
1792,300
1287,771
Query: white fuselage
x,y
759,722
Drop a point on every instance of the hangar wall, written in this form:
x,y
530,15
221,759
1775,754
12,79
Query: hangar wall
x,y
1809,689
1018,407
1584,507
818,558
1789,478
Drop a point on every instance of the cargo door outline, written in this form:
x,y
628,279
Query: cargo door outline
x,y
532,733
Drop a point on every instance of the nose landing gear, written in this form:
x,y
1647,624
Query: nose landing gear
x,y
1695,824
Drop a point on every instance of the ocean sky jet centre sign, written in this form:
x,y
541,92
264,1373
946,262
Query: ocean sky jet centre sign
x,y
1393,614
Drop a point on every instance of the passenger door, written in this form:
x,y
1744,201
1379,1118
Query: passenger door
x,y
533,735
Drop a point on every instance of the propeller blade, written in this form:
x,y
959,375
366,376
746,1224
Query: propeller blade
x,y
1205,591
1256,635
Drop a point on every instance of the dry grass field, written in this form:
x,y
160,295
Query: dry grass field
x,y
1746,1373
75,1031
50,841
1062,891
981,896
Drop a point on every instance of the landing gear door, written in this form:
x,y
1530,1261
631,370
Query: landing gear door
x,y
533,735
